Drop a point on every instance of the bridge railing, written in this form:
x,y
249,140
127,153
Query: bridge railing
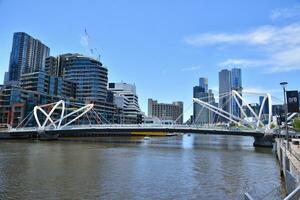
x,y
160,126
138,126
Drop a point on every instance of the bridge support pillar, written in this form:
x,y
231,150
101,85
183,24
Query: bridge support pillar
x,y
264,141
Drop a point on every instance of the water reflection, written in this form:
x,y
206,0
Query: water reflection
x,y
187,141
187,167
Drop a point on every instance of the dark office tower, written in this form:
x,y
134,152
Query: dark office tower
x,y
27,56
225,90
200,113
236,84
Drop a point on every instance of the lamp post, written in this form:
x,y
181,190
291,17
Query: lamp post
x,y
284,84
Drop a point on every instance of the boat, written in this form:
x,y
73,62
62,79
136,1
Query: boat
x,y
171,134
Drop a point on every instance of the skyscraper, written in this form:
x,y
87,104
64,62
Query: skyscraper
x,y
236,84
203,82
200,113
27,56
225,90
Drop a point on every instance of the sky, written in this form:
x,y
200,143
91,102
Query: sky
x,y
163,47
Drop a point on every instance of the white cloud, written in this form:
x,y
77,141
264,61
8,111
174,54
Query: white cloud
x,y
245,63
260,90
260,36
292,12
279,45
185,69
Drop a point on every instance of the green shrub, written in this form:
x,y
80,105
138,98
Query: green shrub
x,y
296,124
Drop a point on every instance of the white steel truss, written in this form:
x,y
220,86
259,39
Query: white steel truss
x,y
237,120
58,123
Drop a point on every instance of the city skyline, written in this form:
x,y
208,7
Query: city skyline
x,y
182,66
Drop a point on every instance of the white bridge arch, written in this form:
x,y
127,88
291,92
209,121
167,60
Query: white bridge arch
x,y
58,123
236,96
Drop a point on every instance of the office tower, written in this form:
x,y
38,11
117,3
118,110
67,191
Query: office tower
x,y
126,100
236,84
200,113
166,111
27,56
203,82
225,91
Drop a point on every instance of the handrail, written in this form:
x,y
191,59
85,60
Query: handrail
x,y
294,193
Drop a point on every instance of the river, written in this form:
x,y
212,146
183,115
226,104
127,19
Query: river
x,y
183,167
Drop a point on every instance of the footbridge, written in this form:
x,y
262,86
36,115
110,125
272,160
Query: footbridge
x,y
56,120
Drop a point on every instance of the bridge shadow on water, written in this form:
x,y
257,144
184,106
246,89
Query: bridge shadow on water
x,y
186,141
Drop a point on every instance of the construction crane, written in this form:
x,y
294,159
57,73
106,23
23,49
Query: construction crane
x,y
93,51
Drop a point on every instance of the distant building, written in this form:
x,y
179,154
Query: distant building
x,y
225,91
203,82
236,84
265,109
254,106
165,111
27,55
211,99
126,100
200,113
278,110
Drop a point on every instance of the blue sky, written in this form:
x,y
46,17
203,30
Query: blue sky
x,y
165,46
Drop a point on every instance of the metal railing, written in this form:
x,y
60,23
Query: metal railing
x,y
139,126
294,195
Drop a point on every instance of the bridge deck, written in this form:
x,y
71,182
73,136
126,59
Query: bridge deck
x,y
139,128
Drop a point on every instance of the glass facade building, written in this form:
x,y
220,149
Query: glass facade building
x,y
224,91
203,82
236,81
27,55
89,75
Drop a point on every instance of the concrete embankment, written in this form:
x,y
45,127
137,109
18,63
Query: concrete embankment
x,y
289,160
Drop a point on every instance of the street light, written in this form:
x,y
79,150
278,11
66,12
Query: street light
x,y
284,84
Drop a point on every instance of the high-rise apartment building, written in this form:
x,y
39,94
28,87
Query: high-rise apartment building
x,y
89,75
166,111
91,80
27,55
